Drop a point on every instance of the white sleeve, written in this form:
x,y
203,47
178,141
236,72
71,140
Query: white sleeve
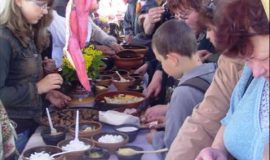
x,y
58,32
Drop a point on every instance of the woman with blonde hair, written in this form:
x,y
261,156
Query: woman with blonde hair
x,y
23,86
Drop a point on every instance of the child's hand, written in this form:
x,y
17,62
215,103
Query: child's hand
x,y
156,111
211,154
49,66
57,99
49,82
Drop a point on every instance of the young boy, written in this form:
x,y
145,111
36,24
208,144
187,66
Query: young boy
x,y
175,46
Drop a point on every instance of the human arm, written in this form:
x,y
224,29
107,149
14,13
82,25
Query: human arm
x,y
17,91
266,152
154,15
154,87
98,35
57,99
199,129
142,70
153,113
217,151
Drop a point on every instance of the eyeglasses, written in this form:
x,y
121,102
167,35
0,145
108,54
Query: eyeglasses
x,y
40,4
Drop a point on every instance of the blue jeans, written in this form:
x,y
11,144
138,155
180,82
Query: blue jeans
x,y
22,140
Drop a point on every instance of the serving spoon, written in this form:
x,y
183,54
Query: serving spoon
x,y
130,151
122,79
53,130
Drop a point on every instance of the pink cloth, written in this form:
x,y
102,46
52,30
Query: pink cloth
x,y
77,39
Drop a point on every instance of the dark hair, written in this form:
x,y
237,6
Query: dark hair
x,y
207,12
174,36
183,5
237,21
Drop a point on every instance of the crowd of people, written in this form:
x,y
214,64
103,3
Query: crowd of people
x,y
212,55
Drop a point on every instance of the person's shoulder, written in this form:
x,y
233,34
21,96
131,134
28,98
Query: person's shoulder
x,y
5,32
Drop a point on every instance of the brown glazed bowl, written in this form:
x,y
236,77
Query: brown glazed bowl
x,y
76,154
96,154
104,80
111,147
123,85
84,132
100,100
47,149
128,59
138,49
51,139
100,89
138,78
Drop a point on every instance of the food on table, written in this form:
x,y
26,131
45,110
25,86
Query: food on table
x,y
109,138
56,133
127,129
66,117
101,87
126,151
75,145
88,129
123,80
130,111
153,124
95,155
123,99
40,156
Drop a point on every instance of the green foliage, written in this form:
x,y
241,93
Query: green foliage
x,y
93,61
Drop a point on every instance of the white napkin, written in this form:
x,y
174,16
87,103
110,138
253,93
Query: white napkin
x,y
117,118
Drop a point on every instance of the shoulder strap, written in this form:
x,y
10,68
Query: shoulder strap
x,y
248,83
197,83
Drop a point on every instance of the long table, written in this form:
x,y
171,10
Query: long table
x,y
36,140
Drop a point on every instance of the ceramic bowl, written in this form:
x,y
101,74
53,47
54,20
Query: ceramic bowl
x,y
101,101
138,49
110,146
99,89
104,80
96,154
129,129
53,139
123,85
128,59
77,154
47,149
86,129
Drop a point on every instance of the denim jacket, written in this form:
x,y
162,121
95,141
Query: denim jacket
x,y
20,69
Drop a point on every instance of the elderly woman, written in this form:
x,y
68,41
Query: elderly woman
x,y
243,32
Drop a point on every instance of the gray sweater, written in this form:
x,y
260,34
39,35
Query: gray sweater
x,y
183,100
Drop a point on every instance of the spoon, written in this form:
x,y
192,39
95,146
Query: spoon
x,y
60,153
53,130
122,79
77,127
130,151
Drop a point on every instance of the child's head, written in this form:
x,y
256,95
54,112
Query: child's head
x,y
23,17
174,44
